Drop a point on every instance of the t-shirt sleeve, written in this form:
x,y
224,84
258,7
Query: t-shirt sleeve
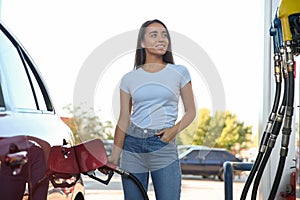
x,y
186,77
124,85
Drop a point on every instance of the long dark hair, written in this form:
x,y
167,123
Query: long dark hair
x,y
140,53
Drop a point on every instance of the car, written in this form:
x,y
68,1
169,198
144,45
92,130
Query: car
x,y
29,127
183,148
205,161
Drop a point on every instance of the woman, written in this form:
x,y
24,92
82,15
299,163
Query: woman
x,y
146,127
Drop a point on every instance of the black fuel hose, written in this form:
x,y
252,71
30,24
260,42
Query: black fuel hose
x,y
251,176
259,173
286,132
268,128
263,144
271,141
134,179
139,185
277,179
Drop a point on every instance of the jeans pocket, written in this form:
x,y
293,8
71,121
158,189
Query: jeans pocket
x,y
160,139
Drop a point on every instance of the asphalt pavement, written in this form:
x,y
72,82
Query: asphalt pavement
x,y
193,187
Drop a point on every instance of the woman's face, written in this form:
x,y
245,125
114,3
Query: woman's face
x,y
156,40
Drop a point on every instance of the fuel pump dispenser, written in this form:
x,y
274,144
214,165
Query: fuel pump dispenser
x,y
285,30
276,33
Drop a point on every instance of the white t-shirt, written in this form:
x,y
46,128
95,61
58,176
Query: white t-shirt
x,y
155,95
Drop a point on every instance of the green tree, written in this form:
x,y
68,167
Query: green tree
x,y
202,128
223,129
197,131
215,128
234,132
85,125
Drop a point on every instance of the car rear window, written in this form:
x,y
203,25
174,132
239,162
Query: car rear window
x,y
25,87
16,75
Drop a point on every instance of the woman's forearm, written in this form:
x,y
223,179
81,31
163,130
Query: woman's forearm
x,y
189,107
119,138
185,121
118,143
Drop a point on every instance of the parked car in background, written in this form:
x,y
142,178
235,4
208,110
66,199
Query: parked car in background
x,y
29,125
205,161
108,145
184,148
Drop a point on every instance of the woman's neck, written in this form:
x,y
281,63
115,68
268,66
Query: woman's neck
x,y
153,63
153,59
153,67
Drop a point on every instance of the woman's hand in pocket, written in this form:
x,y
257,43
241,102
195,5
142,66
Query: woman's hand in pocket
x,y
167,134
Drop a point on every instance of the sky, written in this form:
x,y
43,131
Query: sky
x,y
62,36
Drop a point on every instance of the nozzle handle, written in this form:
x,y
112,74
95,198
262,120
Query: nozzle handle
x,y
109,174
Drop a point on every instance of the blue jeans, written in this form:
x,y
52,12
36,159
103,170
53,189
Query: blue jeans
x,y
145,153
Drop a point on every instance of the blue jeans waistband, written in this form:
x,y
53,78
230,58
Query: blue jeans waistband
x,y
140,132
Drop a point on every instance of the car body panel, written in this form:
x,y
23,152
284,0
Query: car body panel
x,y
26,108
33,124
